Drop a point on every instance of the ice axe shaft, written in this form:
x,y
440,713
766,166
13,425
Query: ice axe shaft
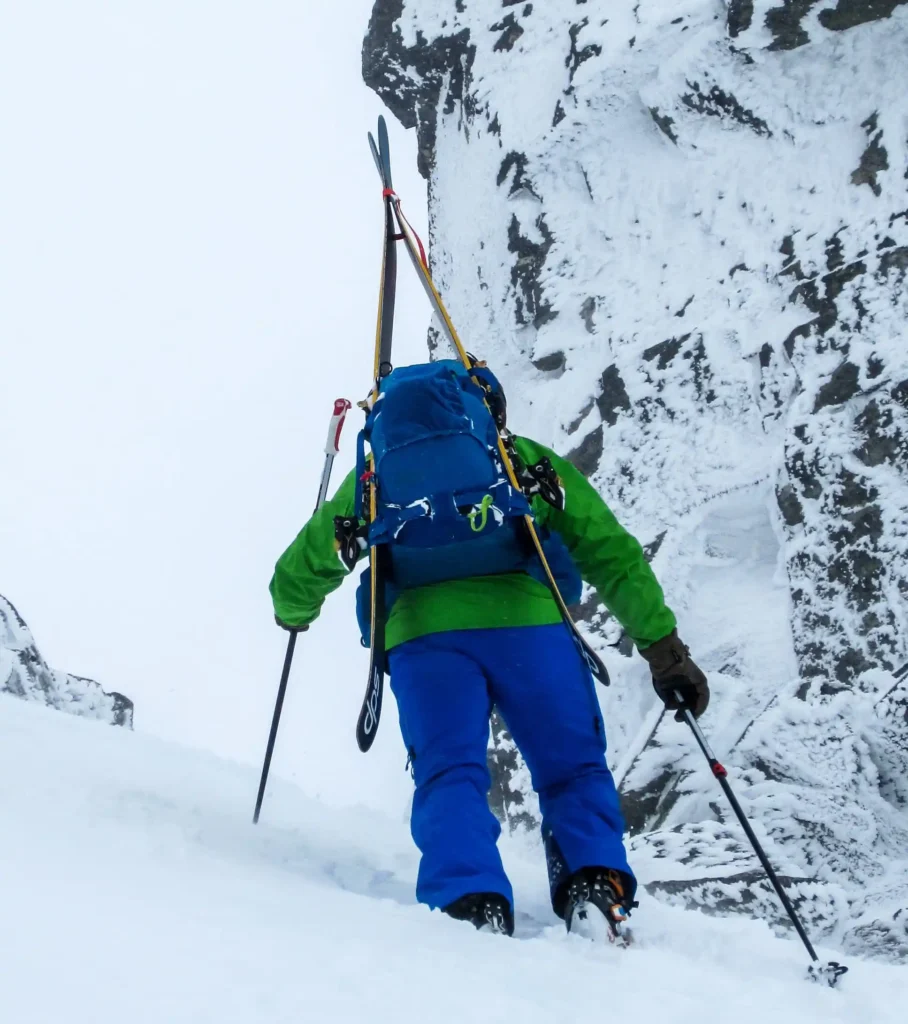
x,y
830,972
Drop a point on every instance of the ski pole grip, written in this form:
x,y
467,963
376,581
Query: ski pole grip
x,y
341,408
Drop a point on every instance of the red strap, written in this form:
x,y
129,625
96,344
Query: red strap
x,y
719,771
422,251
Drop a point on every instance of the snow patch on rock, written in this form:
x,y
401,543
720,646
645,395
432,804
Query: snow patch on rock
x,y
25,674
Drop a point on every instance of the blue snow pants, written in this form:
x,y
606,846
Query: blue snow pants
x,y
445,685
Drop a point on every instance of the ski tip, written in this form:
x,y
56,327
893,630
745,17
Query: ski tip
x,y
376,156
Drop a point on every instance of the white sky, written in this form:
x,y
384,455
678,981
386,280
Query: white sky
x,y
191,234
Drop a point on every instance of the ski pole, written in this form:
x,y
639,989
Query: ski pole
x,y
332,448
830,972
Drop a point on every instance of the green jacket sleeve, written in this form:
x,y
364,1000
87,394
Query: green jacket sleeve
x,y
608,557
310,569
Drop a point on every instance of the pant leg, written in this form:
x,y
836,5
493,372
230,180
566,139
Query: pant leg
x,y
444,705
547,697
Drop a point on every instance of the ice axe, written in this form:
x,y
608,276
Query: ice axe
x,y
829,972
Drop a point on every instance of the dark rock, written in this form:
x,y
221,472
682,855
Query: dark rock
x,y
874,159
858,573
588,312
853,492
574,425
822,303
805,472
410,79
587,454
641,806
613,395
883,441
664,124
665,351
717,103
507,802
742,892
559,115
850,13
894,261
835,252
866,522
700,370
531,305
576,56
842,385
790,505
553,363
785,24
740,15
516,162
511,30
651,549
836,280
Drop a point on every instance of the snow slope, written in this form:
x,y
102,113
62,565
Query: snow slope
x,y
134,888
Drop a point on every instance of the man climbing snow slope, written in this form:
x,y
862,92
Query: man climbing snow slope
x,y
480,638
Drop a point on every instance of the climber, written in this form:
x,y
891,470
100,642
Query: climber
x,y
481,629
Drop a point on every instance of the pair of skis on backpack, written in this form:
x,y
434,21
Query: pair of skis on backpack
x,y
510,501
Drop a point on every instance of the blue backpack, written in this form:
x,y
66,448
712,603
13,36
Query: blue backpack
x,y
445,506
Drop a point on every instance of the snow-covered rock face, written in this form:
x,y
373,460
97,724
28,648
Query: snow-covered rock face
x,y
678,229
24,673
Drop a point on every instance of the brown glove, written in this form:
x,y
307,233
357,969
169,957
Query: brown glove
x,y
674,672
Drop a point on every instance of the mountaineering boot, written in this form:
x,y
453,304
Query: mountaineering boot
x,y
595,905
487,911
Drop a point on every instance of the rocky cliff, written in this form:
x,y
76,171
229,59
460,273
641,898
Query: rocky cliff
x,y
24,673
678,229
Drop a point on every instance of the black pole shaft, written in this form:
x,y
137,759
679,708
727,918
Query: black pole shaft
x,y
275,722
722,776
